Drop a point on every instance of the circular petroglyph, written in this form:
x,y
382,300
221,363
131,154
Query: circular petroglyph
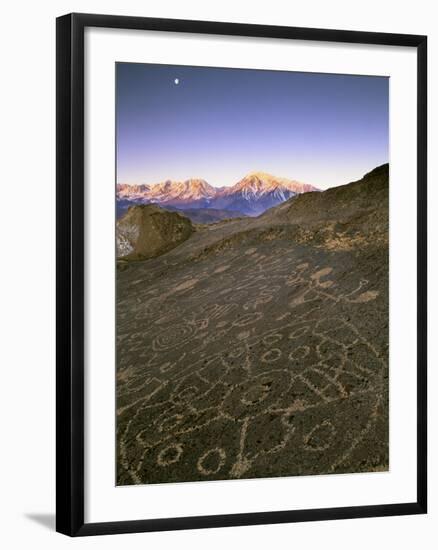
x,y
170,454
270,339
298,354
271,356
211,461
173,337
320,437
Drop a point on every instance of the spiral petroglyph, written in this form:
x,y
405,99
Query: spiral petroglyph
x,y
172,337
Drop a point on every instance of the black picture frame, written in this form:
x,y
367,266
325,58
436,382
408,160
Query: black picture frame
x,y
70,273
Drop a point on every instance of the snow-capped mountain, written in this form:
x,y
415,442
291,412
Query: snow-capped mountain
x,y
251,196
188,194
184,191
259,191
260,183
124,190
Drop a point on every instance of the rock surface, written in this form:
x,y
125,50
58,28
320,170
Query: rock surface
x,y
146,231
259,347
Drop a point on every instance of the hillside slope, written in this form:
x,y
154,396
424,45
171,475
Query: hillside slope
x,y
206,215
259,347
342,216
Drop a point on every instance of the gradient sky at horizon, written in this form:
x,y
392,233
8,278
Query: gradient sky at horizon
x,y
221,124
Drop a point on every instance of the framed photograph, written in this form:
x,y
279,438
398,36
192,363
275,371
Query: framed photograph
x,y
241,274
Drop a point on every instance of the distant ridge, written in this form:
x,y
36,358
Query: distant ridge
x,y
347,217
250,196
341,217
339,202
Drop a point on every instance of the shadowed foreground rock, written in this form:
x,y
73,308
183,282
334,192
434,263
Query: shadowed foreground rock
x,y
147,231
259,347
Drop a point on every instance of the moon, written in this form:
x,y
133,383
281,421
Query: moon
x,y
176,81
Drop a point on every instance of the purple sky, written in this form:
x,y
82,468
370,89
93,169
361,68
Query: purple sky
x,y
221,124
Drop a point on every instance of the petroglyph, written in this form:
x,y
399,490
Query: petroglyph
x,y
268,357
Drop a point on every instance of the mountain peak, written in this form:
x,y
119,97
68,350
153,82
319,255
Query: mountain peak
x,y
262,182
261,175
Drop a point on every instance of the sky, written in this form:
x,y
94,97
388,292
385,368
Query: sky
x,y
180,122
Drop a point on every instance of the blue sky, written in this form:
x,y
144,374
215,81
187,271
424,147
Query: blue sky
x,y
221,124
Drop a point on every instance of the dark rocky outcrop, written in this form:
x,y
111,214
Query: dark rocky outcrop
x,y
147,231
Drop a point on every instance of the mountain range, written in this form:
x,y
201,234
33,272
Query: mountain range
x,y
250,196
